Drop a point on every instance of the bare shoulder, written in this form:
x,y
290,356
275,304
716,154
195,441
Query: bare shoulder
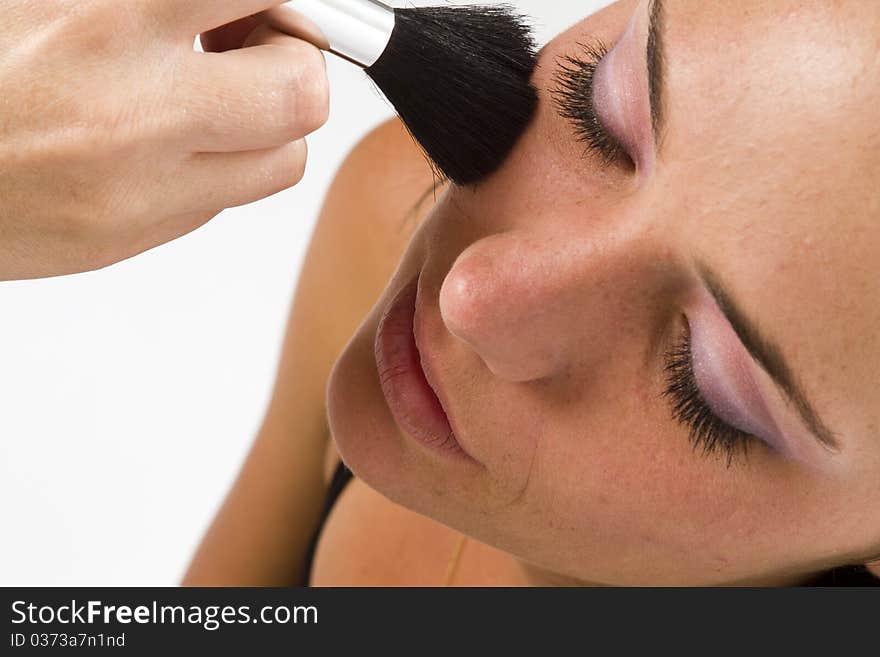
x,y
356,244
379,190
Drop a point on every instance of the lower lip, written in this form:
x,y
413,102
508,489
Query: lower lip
x,y
412,401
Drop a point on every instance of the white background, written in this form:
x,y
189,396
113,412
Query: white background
x,y
129,396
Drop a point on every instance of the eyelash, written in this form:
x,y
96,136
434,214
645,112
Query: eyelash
x,y
573,96
689,408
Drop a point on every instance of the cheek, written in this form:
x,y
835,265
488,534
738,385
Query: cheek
x,y
617,492
618,454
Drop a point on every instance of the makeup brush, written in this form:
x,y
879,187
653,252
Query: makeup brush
x,y
458,76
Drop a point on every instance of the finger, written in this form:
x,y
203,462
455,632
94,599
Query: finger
x,y
225,180
197,16
255,97
229,36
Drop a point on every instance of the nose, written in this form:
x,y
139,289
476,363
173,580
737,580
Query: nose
x,y
532,305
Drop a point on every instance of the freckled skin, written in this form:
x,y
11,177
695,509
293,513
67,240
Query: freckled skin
x,y
552,289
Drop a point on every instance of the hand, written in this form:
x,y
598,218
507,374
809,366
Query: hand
x,y
116,136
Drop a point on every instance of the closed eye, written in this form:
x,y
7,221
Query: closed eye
x,y
573,99
707,431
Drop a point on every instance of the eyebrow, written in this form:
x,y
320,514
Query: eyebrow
x,y
769,356
656,69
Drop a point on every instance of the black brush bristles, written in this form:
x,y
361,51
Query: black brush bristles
x,y
460,79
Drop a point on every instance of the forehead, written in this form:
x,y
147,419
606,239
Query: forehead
x,y
774,105
794,77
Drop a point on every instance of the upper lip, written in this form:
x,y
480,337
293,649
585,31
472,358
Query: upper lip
x,y
426,356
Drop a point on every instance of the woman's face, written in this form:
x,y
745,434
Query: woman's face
x,y
659,357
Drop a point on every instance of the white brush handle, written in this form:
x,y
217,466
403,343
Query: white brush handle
x,y
358,30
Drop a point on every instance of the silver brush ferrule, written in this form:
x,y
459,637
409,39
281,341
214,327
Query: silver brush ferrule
x,y
357,30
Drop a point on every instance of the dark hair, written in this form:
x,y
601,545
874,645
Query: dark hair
x,y
460,79
846,576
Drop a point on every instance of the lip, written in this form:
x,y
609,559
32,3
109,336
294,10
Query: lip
x,y
412,400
